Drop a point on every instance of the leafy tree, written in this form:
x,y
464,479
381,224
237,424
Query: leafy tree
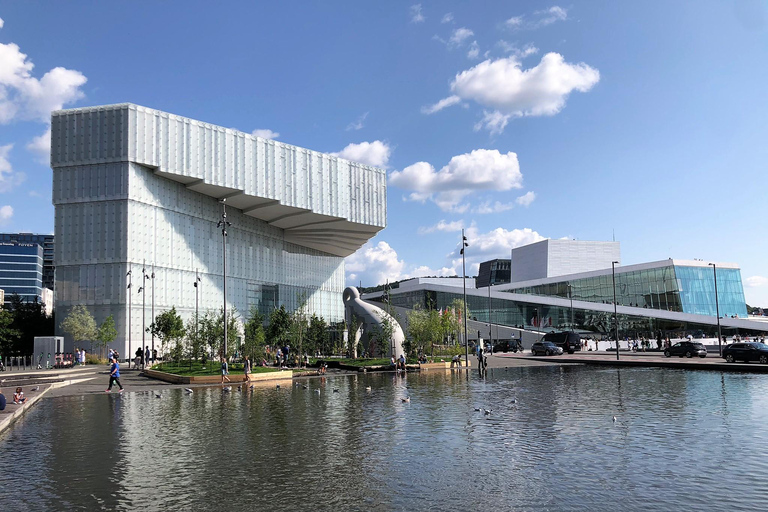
x,y
80,325
106,333
195,342
279,326
380,339
169,327
9,337
317,334
253,344
298,325
354,325
30,320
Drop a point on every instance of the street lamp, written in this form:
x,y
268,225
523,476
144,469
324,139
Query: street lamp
x,y
615,309
490,324
143,292
570,296
197,288
152,277
130,306
223,223
464,282
717,311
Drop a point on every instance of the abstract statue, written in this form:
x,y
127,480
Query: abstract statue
x,y
373,322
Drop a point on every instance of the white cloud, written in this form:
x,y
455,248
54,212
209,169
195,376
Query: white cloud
x,y
526,199
496,207
756,281
447,17
9,178
265,133
374,153
539,19
6,212
459,36
440,105
443,226
357,124
510,91
416,16
41,146
377,264
496,243
527,50
514,22
2,22
474,50
482,169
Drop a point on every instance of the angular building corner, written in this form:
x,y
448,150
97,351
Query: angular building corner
x,y
136,188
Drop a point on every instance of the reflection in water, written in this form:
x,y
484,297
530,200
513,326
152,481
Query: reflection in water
x,y
549,443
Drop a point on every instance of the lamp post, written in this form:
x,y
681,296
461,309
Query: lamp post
x,y
490,324
570,296
197,288
615,309
464,282
717,311
130,306
152,277
143,292
223,223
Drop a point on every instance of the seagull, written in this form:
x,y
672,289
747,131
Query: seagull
x,y
406,400
368,388
188,390
277,386
305,386
477,409
614,419
335,390
158,395
487,411
227,388
35,388
514,400
317,391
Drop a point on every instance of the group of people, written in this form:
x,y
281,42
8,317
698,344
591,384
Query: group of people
x,y
79,357
397,364
145,356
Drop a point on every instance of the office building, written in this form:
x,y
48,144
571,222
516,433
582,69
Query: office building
x,y
46,242
138,190
21,270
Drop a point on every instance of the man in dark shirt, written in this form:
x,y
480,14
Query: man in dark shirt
x,y
2,400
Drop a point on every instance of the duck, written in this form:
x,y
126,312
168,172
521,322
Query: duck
x,y
368,388
188,390
406,400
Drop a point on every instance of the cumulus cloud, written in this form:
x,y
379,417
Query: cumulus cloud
x,y
265,133
379,263
496,243
447,17
440,105
442,226
6,212
496,207
474,50
756,281
481,169
526,199
41,146
374,153
416,15
526,51
459,36
358,123
9,178
508,90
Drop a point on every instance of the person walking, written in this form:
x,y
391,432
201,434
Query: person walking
x,y
246,367
224,370
146,356
114,375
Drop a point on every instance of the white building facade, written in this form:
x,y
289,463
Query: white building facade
x,y
138,189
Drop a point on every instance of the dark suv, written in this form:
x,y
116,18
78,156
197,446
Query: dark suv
x,y
746,351
569,341
687,349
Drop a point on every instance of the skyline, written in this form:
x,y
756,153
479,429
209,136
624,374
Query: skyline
x,y
515,122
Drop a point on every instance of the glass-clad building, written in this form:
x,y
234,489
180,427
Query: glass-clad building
x,y
46,242
138,194
21,270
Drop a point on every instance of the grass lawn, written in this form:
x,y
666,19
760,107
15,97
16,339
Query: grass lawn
x,y
211,368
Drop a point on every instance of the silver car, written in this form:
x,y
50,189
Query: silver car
x,y
546,348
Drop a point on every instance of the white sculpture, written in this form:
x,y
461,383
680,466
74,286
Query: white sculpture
x,y
371,320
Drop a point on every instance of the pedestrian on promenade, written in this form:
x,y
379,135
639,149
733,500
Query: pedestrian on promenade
x,y
82,357
146,355
114,375
2,400
154,355
246,367
224,370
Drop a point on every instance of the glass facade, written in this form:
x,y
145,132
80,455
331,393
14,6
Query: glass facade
x,y
21,270
46,242
672,288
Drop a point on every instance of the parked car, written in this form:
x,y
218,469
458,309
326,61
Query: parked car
x,y
545,348
501,346
687,349
569,341
746,351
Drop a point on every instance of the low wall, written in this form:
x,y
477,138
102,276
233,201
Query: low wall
x,y
216,379
445,365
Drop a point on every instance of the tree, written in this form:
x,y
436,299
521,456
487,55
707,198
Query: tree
x,y
253,344
279,325
317,334
380,339
298,325
30,320
9,337
106,333
80,325
169,327
195,342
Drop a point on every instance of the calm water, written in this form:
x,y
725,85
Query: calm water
x,y
682,441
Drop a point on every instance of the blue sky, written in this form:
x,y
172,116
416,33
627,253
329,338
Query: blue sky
x,y
515,120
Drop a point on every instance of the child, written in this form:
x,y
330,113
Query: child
x,y
18,396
